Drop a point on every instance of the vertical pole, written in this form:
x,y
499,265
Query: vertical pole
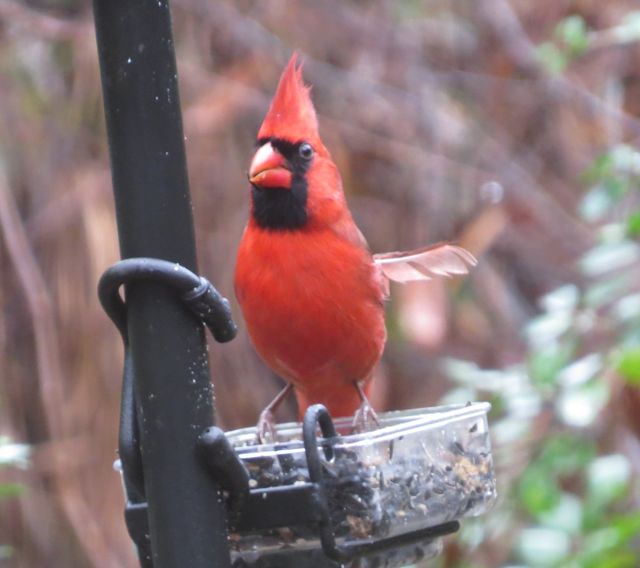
x,y
153,208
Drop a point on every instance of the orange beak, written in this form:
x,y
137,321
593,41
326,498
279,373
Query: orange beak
x,y
269,168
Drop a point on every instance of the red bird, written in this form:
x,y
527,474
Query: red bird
x,y
310,291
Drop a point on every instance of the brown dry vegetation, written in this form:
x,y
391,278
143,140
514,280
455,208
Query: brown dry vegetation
x,y
444,125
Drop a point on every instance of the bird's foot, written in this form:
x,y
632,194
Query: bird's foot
x,y
266,427
365,418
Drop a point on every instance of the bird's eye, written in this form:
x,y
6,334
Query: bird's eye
x,y
305,151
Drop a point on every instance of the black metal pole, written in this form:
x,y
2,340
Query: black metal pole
x,y
153,207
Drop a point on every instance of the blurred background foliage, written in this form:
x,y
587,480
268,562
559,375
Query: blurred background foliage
x,y
509,126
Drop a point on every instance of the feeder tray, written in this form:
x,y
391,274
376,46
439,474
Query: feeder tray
x,y
386,494
322,496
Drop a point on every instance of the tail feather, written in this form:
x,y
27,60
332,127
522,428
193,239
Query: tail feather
x,y
442,259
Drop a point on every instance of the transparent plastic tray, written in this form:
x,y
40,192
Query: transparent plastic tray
x,y
421,468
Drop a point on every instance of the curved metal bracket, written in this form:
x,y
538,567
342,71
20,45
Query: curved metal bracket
x,y
196,292
225,465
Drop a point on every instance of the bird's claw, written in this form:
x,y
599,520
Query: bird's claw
x,y
365,418
266,427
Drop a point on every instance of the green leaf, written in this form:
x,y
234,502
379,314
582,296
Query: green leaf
x,y
581,370
608,257
580,407
551,58
538,491
612,559
596,204
616,187
567,454
601,541
13,454
608,290
460,395
11,489
565,297
608,480
540,547
565,516
509,430
409,10
629,30
545,329
627,308
601,168
545,365
626,159
628,365
628,526
633,224
572,32
608,546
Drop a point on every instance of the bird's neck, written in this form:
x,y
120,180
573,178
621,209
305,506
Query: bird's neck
x,y
279,209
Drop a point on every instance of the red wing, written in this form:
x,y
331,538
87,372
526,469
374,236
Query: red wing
x,y
425,264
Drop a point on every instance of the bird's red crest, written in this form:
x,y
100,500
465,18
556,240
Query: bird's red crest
x,y
291,115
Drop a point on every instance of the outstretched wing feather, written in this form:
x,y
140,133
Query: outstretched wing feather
x,y
424,264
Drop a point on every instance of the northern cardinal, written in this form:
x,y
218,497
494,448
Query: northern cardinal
x,y
310,291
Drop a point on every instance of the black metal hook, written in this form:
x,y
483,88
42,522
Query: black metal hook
x,y
196,292
317,415
225,465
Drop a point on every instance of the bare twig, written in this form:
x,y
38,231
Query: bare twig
x,y
49,367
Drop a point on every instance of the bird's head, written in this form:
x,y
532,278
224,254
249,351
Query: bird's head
x,y
290,157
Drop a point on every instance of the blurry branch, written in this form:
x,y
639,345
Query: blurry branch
x,y
246,33
39,302
500,17
400,151
49,366
497,15
521,189
481,233
58,212
66,454
219,102
243,31
40,23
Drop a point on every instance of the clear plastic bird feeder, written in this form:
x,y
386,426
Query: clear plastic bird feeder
x,y
420,469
